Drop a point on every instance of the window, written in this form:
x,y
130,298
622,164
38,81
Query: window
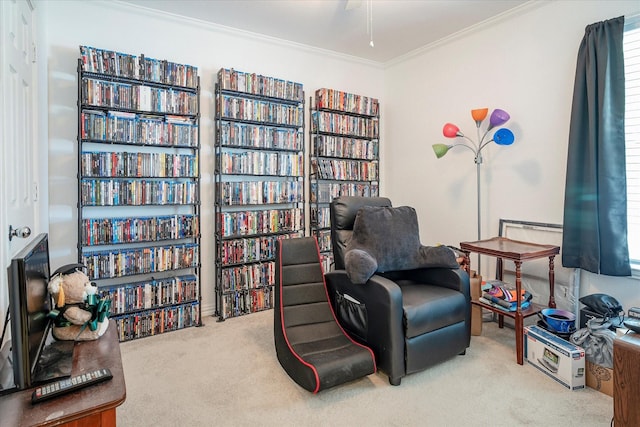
x,y
631,46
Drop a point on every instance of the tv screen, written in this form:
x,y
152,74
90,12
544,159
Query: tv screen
x,y
29,305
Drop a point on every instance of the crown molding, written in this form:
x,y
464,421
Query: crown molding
x,y
247,35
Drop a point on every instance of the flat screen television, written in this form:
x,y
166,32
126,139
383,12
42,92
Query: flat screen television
x,y
29,305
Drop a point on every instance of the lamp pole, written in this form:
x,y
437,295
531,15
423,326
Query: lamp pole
x,y
501,137
478,160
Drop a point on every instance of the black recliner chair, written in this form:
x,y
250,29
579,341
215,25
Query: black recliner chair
x,y
310,345
411,319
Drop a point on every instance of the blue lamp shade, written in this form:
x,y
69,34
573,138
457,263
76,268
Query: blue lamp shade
x,y
503,136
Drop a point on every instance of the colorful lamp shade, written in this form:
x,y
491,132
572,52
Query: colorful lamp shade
x,y
451,131
503,136
479,114
498,118
441,149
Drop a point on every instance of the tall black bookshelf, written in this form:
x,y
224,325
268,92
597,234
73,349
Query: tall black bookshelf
x,y
139,188
259,185
344,156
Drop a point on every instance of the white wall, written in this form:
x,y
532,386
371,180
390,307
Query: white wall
x,y
119,27
523,63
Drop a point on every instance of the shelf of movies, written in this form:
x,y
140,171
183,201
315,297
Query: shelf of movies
x,y
249,223
151,293
251,249
121,127
250,276
345,170
239,303
133,97
325,192
320,216
340,124
157,321
258,111
261,163
256,84
109,62
108,264
137,192
246,135
323,237
137,164
112,231
259,192
344,147
348,102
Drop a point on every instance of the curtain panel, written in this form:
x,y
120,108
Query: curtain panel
x,y
595,205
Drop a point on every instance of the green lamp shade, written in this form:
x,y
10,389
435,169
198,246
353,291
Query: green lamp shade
x,y
440,149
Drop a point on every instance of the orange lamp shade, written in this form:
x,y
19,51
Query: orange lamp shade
x,y
479,114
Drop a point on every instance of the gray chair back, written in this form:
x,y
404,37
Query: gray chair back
x,y
342,213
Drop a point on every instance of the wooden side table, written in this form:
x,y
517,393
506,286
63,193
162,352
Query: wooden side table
x,y
518,252
626,380
93,406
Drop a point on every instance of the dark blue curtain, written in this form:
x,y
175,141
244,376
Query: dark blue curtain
x,y
595,204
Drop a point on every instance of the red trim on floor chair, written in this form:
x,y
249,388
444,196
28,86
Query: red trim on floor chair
x,y
284,331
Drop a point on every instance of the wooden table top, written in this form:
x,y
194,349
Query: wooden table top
x,y
516,250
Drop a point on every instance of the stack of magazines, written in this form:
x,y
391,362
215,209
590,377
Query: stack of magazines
x,y
502,295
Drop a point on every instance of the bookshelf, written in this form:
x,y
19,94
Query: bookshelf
x,y
139,188
344,156
259,185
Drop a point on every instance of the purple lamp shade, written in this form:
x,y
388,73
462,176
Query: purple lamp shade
x,y
498,118
450,130
503,136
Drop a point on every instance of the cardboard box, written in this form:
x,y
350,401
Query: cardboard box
x,y
476,311
600,378
557,358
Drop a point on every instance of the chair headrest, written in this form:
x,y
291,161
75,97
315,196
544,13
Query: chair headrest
x,y
342,212
345,208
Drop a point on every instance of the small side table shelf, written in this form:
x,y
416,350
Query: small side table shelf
x,y
518,252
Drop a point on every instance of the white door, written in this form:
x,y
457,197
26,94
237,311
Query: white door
x,y
18,124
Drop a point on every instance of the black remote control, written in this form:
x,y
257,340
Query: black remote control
x,y
67,385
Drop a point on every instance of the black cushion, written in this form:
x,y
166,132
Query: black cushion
x,y
387,239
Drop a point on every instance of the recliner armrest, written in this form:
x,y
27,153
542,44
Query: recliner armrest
x,y
453,278
384,330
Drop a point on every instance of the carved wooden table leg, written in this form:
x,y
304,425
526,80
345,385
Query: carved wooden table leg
x,y
552,297
519,318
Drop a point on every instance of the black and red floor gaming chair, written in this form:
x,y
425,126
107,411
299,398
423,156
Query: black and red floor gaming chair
x,y
310,344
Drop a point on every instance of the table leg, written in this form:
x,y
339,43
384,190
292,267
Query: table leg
x,y
519,318
552,298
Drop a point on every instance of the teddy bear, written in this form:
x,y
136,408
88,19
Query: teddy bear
x,y
80,315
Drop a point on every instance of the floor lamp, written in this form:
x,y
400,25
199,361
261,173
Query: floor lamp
x,y
502,136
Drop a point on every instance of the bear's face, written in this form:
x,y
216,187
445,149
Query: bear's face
x,y
75,286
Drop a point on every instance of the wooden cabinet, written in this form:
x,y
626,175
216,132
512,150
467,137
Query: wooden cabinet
x,y
626,380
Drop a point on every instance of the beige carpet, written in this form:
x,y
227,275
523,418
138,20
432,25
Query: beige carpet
x,y
227,374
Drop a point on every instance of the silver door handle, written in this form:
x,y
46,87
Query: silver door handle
x,y
22,232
